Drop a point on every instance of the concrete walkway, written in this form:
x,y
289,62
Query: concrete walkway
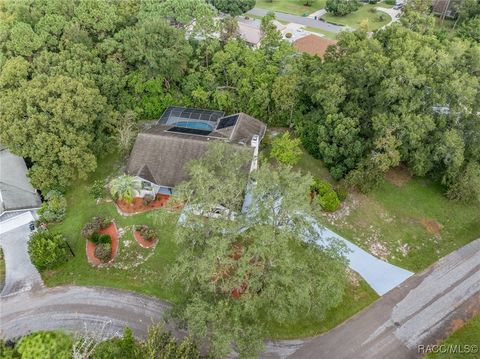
x,y
380,275
394,14
21,274
306,21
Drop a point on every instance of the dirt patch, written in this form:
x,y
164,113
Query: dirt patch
x,y
431,226
398,176
111,230
138,206
379,250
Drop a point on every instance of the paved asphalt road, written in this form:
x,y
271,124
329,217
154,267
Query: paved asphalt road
x,y
423,310
299,20
74,308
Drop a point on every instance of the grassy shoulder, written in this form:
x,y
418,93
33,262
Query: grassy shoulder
x,y
358,295
468,335
294,7
376,19
147,277
406,221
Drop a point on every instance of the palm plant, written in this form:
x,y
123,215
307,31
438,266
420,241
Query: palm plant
x,y
123,188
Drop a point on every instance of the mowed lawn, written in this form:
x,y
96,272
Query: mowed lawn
x,y
468,335
410,223
365,12
151,276
147,278
295,7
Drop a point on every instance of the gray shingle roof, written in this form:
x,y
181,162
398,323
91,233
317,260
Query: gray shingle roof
x,y
16,192
160,156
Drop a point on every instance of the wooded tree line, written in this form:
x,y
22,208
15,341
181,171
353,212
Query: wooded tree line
x,y
70,70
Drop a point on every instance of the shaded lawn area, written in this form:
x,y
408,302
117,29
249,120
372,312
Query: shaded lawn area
x,y
147,278
365,12
469,334
415,222
356,298
294,7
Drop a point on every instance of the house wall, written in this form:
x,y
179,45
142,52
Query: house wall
x,y
155,188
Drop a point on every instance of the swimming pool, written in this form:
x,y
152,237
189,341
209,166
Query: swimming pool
x,y
196,125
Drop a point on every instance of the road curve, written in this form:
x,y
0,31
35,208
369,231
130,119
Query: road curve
x,y
75,308
422,310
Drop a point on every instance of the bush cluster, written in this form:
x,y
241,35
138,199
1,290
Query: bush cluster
x,y
97,190
54,207
326,196
94,225
147,233
147,199
47,250
98,238
341,7
103,251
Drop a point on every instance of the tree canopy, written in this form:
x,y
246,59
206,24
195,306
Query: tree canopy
x,y
231,271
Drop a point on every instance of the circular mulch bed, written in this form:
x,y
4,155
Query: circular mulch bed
x,y
142,241
111,230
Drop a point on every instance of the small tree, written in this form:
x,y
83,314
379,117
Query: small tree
x,y
123,188
126,131
341,7
47,250
286,150
97,190
46,345
55,207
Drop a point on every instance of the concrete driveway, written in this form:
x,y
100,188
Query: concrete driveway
x,y
21,274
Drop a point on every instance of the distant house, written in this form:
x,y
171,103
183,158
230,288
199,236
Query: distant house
x,y
444,8
313,44
250,30
16,193
160,153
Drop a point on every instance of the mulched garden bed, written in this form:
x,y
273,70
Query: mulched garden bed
x,y
111,230
142,241
138,206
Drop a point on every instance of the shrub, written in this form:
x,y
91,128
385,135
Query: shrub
x,y
94,225
55,207
329,201
341,7
95,238
124,188
47,250
381,18
286,150
105,238
103,251
321,186
288,35
45,345
98,189
147,233
342,192
390,2
147,199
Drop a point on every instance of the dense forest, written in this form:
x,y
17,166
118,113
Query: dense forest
x,y
72,70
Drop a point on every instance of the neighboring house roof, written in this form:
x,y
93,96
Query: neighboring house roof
x,y
161,153
250,32
16,192
313,44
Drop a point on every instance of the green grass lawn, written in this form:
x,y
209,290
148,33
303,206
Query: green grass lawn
x,y
356,298
150,277
147,278
328,34
295,7
414,222
469,335
365,12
